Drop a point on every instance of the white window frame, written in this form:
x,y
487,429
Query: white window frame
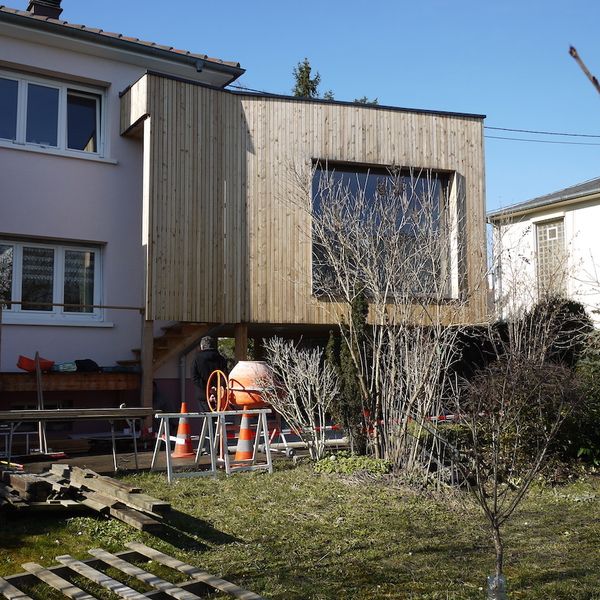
x,y
551,223
57,314
63,90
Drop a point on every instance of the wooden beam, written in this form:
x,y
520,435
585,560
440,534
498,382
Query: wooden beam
x,y
148,578
56,581
241,341
193,572
147,367
11,592
63,382
185,342
118,588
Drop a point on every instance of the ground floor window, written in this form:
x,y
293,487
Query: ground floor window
x,y
56,281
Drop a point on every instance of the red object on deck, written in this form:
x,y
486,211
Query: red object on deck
x,y
28,364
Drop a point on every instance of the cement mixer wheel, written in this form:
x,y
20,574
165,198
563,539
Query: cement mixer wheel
x,y
217,391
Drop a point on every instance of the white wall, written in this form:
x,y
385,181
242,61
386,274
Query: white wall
x,y
515,244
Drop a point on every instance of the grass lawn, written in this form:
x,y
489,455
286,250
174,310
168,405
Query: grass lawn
x,y
300,535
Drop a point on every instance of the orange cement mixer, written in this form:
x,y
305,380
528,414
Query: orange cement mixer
x,y
244,388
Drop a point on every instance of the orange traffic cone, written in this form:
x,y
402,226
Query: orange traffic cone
x,y
245,445
183,443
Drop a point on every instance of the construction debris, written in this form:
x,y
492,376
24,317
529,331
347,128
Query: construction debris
x,y
71,488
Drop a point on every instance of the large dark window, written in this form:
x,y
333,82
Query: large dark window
x,y
381,224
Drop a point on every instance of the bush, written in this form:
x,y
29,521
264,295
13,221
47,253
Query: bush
x,y
346,464
580,437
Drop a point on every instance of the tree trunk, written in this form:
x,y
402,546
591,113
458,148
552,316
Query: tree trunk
x,y
499,549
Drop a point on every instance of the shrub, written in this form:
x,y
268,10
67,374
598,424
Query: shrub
x,y
347,464
580,437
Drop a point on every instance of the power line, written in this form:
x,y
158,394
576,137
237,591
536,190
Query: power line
x,y
497,137
586,135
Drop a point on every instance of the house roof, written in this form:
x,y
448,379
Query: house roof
x,y
573,192
133,44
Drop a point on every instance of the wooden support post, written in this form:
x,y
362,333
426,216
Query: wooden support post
x,y
147,366
241,341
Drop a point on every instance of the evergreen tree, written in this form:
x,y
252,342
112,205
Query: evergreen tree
x,y
305,86
365,100
348,409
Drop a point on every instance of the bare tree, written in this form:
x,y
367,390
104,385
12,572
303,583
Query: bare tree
x,y
398,239
513,409
302,390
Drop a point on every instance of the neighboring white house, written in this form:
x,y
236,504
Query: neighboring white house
x,y
549,246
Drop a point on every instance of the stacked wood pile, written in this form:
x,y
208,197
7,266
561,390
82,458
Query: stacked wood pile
x,y
69,488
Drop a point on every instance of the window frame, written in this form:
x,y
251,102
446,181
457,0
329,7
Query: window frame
x,y
449,208
57,314
63,87
557,273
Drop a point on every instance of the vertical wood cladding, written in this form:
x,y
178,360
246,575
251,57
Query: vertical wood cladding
x,y
229,188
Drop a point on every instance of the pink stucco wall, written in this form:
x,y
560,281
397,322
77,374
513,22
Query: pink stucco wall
x,y
63,197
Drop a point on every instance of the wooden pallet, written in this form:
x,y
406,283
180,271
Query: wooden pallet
x,y
198,585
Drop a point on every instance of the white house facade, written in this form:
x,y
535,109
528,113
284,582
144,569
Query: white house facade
x,y
549,246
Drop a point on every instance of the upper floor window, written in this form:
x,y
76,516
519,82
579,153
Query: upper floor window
x,y
50,114
551,257
49,282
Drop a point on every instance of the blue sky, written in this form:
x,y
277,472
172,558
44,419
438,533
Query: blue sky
x,y
507,59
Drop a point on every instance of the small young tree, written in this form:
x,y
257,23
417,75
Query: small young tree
x,y
512,409
305,86
302,391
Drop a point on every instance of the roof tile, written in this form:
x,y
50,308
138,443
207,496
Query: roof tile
x,y
109,34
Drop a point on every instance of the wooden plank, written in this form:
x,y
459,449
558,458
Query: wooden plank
x,y
75,414
146,390
28,486
56,581
100,502
135,518
60,470
11,592
54,505
108,481
59,382
148,578
134,500
195,573
11,495
100,578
